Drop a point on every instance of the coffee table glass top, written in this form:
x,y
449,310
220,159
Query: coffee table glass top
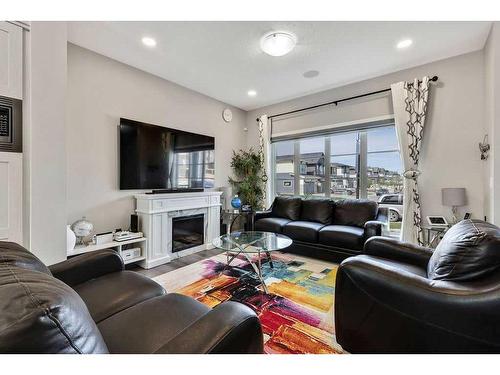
x,y
252,242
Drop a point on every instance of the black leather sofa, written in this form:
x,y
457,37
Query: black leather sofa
x,y
323,228
90,304
402,298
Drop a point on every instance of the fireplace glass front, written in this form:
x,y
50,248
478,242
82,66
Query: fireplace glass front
x,y
187,232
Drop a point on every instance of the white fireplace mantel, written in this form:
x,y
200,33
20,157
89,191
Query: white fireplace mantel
x,y
155,218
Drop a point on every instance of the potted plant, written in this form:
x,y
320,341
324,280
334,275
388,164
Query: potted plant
x,y
247,181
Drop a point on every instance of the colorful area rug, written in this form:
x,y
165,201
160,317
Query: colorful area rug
x,y
296,315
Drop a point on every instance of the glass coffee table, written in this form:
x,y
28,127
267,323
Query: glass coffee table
x,y
249,244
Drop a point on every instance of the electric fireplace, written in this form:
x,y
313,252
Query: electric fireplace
x,y
187,232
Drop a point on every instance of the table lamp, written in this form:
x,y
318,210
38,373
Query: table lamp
x,y
453,197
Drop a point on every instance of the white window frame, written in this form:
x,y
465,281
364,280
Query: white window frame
x,y
327,131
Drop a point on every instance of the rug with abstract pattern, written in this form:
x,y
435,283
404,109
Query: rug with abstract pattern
x,y
297,313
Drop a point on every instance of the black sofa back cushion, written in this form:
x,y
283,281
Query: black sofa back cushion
x,y
317,210
354,212
287,207
469,250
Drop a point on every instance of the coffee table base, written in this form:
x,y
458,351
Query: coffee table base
x,y
257,266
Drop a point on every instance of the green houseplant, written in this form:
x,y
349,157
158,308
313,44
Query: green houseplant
x,y
247,181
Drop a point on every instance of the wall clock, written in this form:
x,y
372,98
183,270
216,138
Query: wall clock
x,y
227,115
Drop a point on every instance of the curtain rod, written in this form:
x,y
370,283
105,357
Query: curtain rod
x,y
336,102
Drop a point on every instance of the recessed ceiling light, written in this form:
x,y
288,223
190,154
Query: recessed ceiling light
x,y
148,41
311,74
252,93
405,43
278,43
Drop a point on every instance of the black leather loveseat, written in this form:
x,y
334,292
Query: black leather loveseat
x,y
323,228
90,304
403,298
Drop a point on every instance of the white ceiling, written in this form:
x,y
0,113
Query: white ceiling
x,y
223,59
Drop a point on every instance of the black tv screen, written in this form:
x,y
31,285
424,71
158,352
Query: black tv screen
x,y
156,157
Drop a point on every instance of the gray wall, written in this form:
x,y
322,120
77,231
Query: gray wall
x,y
100,91
44,147
455,125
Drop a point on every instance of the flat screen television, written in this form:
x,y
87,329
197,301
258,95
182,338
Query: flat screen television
x,y
155,157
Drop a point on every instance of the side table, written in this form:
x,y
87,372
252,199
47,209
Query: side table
x,y
433,234
230,216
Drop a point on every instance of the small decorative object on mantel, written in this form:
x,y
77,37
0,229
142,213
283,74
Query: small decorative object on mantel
x,y
82,229
484,148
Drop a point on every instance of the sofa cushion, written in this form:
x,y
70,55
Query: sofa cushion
x,y
161,319
470,249
117,291
271,224
354,212
306,231
317,210
342,236
287,207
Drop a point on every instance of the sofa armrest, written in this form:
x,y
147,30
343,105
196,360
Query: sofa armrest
x,y
391,248
229,328
373,228
88,266
383,215
262,214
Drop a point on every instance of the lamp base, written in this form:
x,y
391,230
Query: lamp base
x,y
454,211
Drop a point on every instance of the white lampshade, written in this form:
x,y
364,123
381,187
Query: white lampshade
x,y
454,197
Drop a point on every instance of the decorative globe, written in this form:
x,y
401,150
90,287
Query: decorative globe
x,y
82,229
236,202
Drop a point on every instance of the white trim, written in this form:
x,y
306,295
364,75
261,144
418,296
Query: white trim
x,y
22,24
338,125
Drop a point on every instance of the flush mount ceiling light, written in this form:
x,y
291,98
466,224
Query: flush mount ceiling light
x,y
148,41
278,43
252,93
405,43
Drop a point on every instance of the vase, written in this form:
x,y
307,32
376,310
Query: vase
x,y
70,238
236,202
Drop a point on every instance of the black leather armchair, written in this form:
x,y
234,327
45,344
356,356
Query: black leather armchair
x,y
91,304
385,301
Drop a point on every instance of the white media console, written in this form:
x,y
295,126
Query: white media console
x,y
158,212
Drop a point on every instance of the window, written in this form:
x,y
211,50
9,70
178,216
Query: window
x,y
344,165
384,163
284,179
361,163
312,167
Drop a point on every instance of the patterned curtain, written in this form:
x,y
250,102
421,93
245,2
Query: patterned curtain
x,y
410,107
265,154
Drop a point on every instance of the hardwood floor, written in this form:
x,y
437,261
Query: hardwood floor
x,y
175,264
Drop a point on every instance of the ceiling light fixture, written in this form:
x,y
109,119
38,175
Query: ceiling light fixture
x,y
278,43
405,43
148,41
252,93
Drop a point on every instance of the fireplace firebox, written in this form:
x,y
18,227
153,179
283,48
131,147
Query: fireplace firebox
x,y
187,232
